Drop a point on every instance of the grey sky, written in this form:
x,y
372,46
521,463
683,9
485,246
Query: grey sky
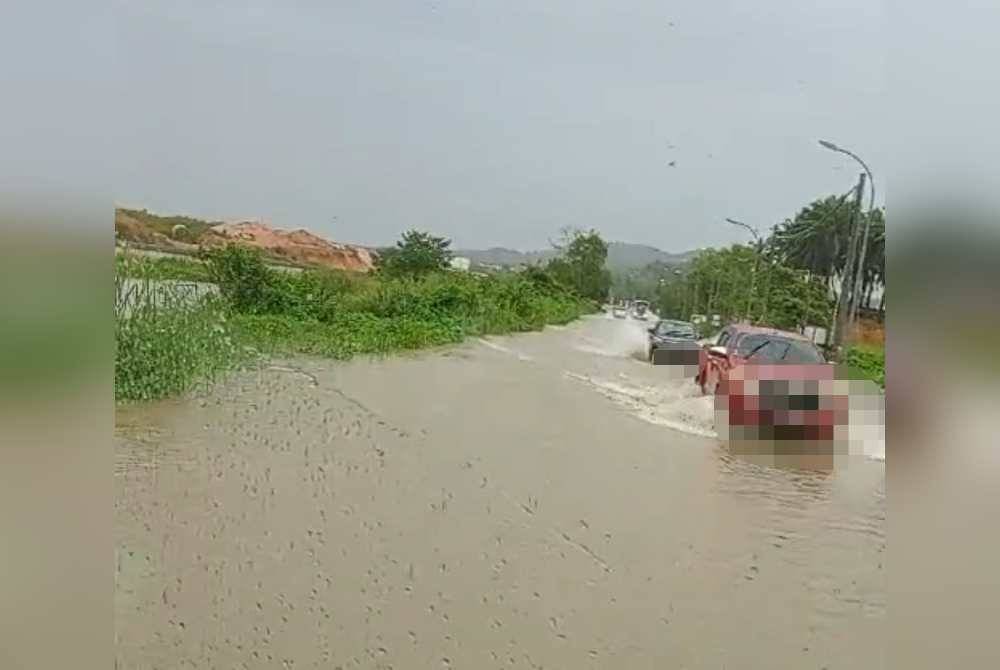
x,y
496,123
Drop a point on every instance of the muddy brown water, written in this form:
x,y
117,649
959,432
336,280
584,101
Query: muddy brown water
x,y
539,501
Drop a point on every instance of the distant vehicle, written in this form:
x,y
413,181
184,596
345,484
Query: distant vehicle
x,y
769,382
618,312
640,309
672,335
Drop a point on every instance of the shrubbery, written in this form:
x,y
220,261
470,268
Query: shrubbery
x,y
165,267
867,362
167,340
323,313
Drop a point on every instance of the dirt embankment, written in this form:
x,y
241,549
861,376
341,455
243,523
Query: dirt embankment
x,y
179,234
868,332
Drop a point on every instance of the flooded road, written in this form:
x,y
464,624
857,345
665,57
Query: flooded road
x,y
539,501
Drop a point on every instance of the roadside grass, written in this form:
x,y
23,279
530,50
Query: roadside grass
x,y
167,342
166,346
866,361
160,268
337,315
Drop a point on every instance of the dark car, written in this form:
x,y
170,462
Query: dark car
x,y
673,342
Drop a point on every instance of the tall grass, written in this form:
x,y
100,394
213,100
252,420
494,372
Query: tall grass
x,y
160,267
165,348
333,314
866,362
169,337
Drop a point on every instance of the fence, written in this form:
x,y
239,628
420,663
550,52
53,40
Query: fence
x,y
133,295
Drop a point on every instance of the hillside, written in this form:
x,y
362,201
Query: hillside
x,y
186,235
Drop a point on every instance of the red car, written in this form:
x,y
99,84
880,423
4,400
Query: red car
x,y
771,385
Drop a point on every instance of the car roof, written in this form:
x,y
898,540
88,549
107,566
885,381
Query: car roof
x,y
747,329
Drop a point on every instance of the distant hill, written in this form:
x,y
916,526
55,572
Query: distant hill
x,y
622,256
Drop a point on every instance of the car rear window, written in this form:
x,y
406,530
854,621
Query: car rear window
x,y
675,329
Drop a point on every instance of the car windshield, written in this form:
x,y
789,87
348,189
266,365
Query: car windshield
x,y
777,350
675,329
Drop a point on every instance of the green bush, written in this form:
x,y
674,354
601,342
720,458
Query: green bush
x,y
245,280
163,349
167,342
161,268
866,363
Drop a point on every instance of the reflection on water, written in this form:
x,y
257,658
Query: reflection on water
x,y
488,507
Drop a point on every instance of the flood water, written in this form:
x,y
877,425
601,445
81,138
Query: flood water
x,y
537,501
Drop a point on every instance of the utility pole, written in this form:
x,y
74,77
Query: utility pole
x,y
847,280
859,276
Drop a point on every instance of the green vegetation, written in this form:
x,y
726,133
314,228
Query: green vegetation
x,y
787,280
741,283
167,340
183,228
866,362
581,266
166,345
161,268
337,315
643,282
415,255
818,238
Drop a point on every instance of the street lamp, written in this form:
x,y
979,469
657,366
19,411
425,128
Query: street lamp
x,y
758,249
753,231
868,222
871,180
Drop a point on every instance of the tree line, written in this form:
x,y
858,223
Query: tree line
x,y
790,279
579,269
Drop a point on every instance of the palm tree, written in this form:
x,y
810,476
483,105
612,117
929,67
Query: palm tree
x,y
816,239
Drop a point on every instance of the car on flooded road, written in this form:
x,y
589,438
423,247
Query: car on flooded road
x,y
640,310
672,342
771,385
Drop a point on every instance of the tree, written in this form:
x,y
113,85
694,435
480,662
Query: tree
x,y
720,281
581,265
244,279
817,238
642,283
416,254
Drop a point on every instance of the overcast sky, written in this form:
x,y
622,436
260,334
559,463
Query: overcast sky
x,y
496,123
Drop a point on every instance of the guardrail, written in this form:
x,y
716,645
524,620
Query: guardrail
x,y
140,294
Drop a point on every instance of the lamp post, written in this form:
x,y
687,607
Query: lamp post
x,y
758,248
859,272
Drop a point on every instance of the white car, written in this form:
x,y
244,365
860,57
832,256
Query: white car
x,y
640,310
